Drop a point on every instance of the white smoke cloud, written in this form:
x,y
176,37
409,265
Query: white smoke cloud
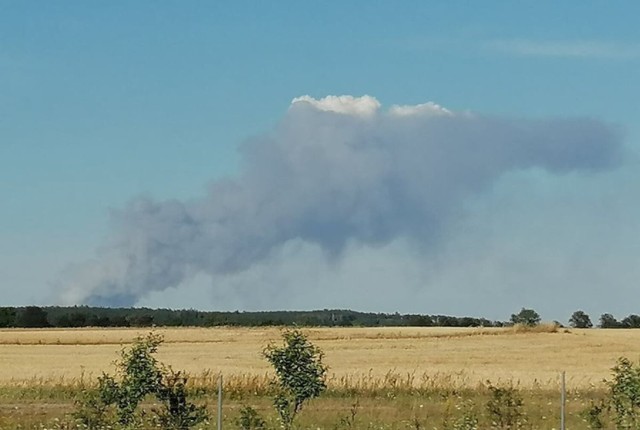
x,y
360,106
337,179
429,108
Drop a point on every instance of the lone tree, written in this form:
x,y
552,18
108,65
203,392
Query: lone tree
x,y
300,372
527,317
580,319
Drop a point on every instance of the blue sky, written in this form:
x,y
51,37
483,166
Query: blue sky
x,y
101,102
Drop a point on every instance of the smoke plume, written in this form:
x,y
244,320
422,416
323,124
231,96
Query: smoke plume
x,y
332,172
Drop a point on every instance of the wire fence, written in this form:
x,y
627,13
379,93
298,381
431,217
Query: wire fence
x,y
216,419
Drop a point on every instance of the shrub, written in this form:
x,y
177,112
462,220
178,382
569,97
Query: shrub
x,y
540,328
300,374
624,392
593,415
177,413
505,408
250,419
621,408
138,375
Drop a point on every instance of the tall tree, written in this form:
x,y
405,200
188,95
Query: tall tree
x,y
579,319
527,317
608,321
632,321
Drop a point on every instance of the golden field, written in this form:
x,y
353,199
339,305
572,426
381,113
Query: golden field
x,y
421,357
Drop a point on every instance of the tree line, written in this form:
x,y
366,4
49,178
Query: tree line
x,y
579,319
87,316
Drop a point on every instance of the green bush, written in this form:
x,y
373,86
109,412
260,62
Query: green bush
x,y
300,374
250,419
621,408
624,396
139,375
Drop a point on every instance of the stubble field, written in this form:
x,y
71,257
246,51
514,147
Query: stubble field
x,y
411,373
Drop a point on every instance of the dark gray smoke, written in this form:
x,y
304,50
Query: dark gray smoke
x,y
333,171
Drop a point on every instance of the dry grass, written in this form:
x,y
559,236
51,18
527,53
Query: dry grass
x,y
358,357
539,328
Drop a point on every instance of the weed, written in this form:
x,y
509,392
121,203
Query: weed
x,y
593,415
349,421
469,418
250,419
505,407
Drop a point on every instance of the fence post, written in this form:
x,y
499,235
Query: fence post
x,y
220,402
563,399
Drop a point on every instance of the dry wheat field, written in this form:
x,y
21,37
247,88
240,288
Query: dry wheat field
x,y
465,356
376,366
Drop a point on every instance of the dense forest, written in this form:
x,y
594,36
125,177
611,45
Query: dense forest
x,y
86,316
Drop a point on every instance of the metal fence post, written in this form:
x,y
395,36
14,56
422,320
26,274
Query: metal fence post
x,y
563,400
220,402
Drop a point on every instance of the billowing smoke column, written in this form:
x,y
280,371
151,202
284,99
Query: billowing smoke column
x,y
333,171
